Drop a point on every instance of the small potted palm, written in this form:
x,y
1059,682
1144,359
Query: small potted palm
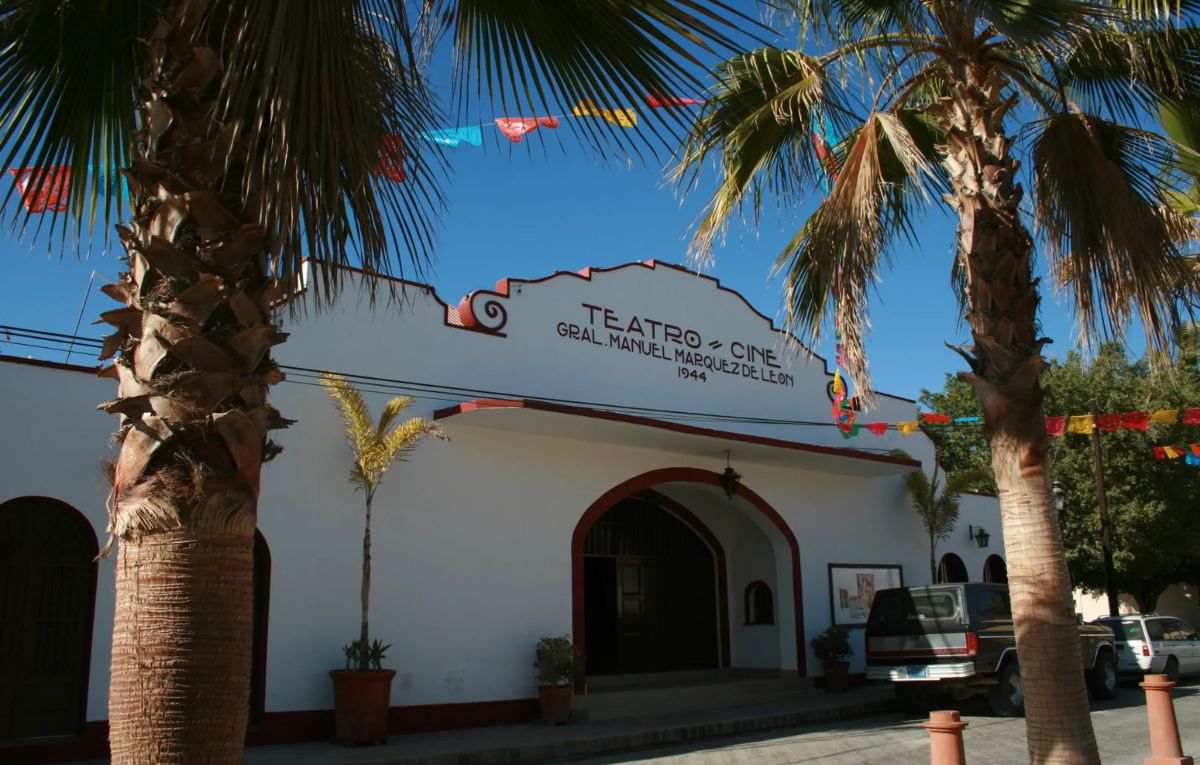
x,y
557,662
832,647
362,691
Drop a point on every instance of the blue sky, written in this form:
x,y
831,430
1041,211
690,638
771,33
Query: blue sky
x,y
546,205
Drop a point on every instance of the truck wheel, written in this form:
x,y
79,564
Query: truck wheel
x,y
1007,699
1102,679
1172,669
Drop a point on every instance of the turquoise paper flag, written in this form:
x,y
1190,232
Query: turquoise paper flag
x,y
472,134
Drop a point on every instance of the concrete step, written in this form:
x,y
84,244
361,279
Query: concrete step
x,y
633,702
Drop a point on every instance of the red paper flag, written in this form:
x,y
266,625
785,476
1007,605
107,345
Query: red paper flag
x,y
1056,426
1160,453
1191,416
43,189
878,428
935,418
516,128
391,159
1136,420
659,101
1195,449
1108,421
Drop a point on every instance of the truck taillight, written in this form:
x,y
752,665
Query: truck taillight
x,y
972,644
1145,650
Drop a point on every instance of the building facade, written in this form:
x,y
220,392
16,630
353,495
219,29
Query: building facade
x,y
591,417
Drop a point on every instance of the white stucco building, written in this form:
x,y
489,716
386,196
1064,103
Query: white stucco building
x,y
590,415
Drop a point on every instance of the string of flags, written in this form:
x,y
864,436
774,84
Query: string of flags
x,y
844,417
1190,453
45,189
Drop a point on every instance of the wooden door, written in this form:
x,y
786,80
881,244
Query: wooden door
x,y
47,591
632,639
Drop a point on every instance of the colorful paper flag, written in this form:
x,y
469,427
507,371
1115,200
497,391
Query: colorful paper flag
x,y
966,420
1160,453
391,159
1192,459
659,101
932,418
515,128
1108,422
1195,449
43,189
626,118
1191,416
1173,453
452,137
1136,420
878,428
1080,423
907,428
1056,426
1165,416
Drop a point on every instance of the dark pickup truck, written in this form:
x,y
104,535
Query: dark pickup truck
x,y
958,639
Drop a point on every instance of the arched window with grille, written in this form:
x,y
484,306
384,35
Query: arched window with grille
x,y
759,604
995,570
952,569
47,601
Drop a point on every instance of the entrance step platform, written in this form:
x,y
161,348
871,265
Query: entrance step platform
x,y
536,742
636,696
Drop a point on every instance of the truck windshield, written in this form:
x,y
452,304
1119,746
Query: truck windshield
x,y
910,606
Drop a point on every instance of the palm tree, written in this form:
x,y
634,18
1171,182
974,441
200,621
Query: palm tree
x,y
936,501
374,448
252,134
925,101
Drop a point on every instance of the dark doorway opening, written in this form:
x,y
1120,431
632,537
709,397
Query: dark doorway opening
x,y
47,600
952,569
650,594
995,570
262,609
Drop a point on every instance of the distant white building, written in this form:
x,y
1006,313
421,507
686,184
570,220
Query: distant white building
x,y
590,415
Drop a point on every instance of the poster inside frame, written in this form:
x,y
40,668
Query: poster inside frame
x,y
852,588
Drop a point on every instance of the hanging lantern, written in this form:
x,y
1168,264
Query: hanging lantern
x,y
730,479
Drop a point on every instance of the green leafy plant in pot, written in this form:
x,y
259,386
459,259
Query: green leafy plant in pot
x,y
362,691
832,647
557,663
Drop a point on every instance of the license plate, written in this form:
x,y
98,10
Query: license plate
x,y
916,671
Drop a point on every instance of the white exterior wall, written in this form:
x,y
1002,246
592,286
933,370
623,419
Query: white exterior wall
x,y
472,538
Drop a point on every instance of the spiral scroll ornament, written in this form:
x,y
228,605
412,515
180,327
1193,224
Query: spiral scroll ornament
x,y
484,312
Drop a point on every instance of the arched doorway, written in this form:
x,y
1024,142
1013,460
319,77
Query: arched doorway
x,y
789,604
262,603
952,569
47,599
995,570
650,591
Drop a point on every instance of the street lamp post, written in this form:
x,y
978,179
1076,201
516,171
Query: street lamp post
x,y
1110,577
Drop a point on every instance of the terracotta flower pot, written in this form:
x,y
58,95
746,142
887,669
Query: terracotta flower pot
x,y
360,705
556,703
837,676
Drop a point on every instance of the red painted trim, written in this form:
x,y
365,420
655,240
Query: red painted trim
x,y
602,414
647,481
50,364
701,530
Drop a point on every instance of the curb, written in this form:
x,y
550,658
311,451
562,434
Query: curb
x,y
625,742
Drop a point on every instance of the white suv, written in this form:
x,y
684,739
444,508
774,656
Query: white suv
x,y
1154,644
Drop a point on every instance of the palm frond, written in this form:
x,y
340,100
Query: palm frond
x,y
1158,10
69,74
920,491
1044,22
1181,120
320,92
539,55
1126,73
835,257
760,120
391,410
402,438
356,417
1111,238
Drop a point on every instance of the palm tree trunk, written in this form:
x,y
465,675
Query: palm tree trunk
x,y
193,369
932,560
364,632
996,257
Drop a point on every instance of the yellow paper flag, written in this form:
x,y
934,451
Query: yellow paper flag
x,y
838,385
1172,452
626,118
1165,416
907,428
1080,423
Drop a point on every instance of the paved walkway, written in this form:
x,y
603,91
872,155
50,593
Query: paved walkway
x,y
894,739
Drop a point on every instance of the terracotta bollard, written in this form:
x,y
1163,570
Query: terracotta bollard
x,y
945,738
1165,747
